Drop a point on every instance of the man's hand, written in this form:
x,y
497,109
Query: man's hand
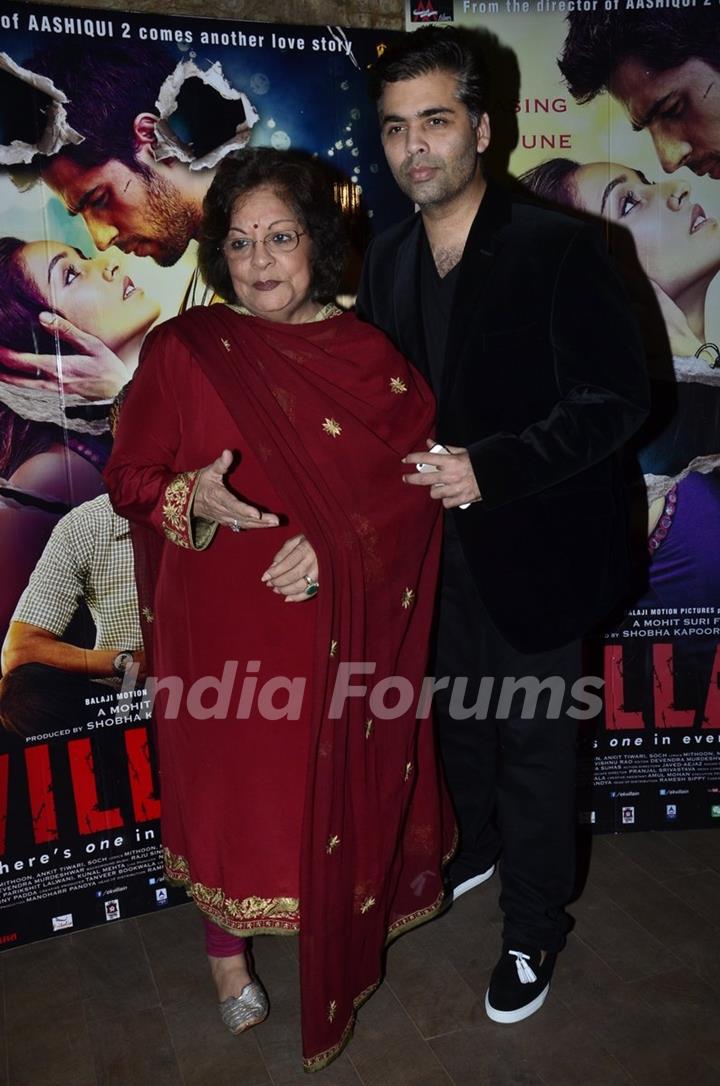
x,y
453,482
213,501
293,569
94,372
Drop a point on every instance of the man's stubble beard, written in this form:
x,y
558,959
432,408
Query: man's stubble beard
x,y
455,176
173,219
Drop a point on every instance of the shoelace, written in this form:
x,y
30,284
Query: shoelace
x,y
525,973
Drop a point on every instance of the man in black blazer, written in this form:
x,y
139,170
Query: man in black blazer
x,y
514,315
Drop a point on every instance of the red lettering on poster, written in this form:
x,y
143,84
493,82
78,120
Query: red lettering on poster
x,y
82,769
666,715
711,713
617,717
145,805
4,759
42,799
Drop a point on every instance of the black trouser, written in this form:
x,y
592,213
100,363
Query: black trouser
x,y
38,698
512,780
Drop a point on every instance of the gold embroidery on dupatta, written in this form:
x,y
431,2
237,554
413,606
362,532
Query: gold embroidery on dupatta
x,y
332,427
408,598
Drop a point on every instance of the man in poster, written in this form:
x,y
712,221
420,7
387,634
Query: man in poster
x,y
517,320
132,191
664,69
47,679
122,178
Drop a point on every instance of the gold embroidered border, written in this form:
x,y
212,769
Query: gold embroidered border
x,y
405,923
177,870
176,520
317,1063
398,928
179,525
246,916
453,848
328,310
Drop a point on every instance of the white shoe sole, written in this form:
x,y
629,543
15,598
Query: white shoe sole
x,y
470,884
507,1017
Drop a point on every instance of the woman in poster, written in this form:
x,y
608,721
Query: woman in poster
x,y
43,284
319,814
678,245
53,445
677,241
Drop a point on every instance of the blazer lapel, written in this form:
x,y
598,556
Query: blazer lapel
x,y
407,300
473,294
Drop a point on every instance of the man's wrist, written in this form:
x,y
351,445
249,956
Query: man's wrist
x,y
122,663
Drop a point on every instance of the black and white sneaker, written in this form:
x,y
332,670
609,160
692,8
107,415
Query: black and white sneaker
x,y
469,882
519,983
465,873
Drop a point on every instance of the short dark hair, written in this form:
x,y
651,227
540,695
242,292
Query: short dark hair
x,y
552,180
295,178
108,86
433,50
597,43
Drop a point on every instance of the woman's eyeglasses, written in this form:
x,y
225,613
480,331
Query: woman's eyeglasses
x,y
281,241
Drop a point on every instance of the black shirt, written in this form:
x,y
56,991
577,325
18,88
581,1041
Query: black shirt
x,y
436,298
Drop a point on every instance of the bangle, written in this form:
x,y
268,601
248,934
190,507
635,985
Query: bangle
x,y
713,362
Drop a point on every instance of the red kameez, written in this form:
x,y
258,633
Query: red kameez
x,y
336,827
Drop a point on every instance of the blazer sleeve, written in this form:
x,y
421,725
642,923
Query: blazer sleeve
x,y
600,375
141,476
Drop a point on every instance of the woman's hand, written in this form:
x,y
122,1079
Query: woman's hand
x,y
94,372
213,501
683,341
294,569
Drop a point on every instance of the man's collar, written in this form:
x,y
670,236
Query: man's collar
x,y
494,213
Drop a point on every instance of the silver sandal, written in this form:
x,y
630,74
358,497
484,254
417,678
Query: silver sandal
x,y
248,1009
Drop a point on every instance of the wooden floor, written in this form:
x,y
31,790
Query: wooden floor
x,y
635,999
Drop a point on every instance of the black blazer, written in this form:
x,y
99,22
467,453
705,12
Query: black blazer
x,y
544,382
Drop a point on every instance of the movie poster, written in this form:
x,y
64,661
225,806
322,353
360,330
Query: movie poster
x,y
92,256
644,159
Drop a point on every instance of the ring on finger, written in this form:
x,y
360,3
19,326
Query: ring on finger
x,y
312,586
234,526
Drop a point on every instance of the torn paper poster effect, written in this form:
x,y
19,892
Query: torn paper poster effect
x,y
202,117
33,119
343,42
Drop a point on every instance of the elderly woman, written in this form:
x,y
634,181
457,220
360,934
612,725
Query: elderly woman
x,y
262,440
